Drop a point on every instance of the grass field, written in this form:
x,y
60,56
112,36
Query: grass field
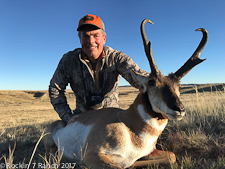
x,y
198,140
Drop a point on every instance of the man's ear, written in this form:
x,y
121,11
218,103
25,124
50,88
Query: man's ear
x,y
104,40
140,80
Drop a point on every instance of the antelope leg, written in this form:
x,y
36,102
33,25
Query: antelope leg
x,y
99,160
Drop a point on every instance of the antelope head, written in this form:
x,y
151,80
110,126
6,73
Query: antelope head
x,y
163,91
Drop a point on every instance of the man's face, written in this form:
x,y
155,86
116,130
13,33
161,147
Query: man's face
x,y
92,41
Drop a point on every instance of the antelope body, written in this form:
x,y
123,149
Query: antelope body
x,y
116,138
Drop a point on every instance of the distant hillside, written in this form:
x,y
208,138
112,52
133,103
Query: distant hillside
x,y
191,88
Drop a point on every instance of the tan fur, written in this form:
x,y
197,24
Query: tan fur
x,y
102,161
50,146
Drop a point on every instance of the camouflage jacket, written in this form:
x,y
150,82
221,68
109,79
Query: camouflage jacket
x,y
93,88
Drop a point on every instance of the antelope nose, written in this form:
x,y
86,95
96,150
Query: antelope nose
x,y
179,108
182,111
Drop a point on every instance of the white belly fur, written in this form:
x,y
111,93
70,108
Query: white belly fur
x,y
126,154
72,140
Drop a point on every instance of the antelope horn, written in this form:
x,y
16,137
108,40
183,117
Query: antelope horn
x,y
195,58
148,51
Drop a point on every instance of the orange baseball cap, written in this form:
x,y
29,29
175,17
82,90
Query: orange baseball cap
x,y
91,20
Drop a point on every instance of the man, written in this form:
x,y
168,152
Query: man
x,y
93,72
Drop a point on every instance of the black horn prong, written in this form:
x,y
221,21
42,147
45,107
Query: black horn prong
x,y
147,46
195,58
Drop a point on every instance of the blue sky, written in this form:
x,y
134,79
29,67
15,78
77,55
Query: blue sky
x,y
35,34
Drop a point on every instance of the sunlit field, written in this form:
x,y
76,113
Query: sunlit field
x,y
198,140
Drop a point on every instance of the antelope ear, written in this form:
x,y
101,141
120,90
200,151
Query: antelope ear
x,y
140,81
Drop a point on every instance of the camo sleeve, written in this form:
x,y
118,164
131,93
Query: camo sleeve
x,y
125,66
57,88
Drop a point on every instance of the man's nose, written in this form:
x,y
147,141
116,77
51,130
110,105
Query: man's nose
x,y
91,39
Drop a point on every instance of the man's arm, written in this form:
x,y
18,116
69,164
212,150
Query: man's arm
x,y
57,88
125,66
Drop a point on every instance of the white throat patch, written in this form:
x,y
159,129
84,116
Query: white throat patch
x,y
149,119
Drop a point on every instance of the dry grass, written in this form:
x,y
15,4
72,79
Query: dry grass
x,y
198,140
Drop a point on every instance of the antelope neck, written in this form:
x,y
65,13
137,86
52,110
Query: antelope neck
x,y
148,107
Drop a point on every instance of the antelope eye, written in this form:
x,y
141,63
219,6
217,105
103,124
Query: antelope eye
x,y
151,82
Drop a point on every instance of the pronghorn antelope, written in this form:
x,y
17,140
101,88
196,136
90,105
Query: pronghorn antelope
x,y
116,138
